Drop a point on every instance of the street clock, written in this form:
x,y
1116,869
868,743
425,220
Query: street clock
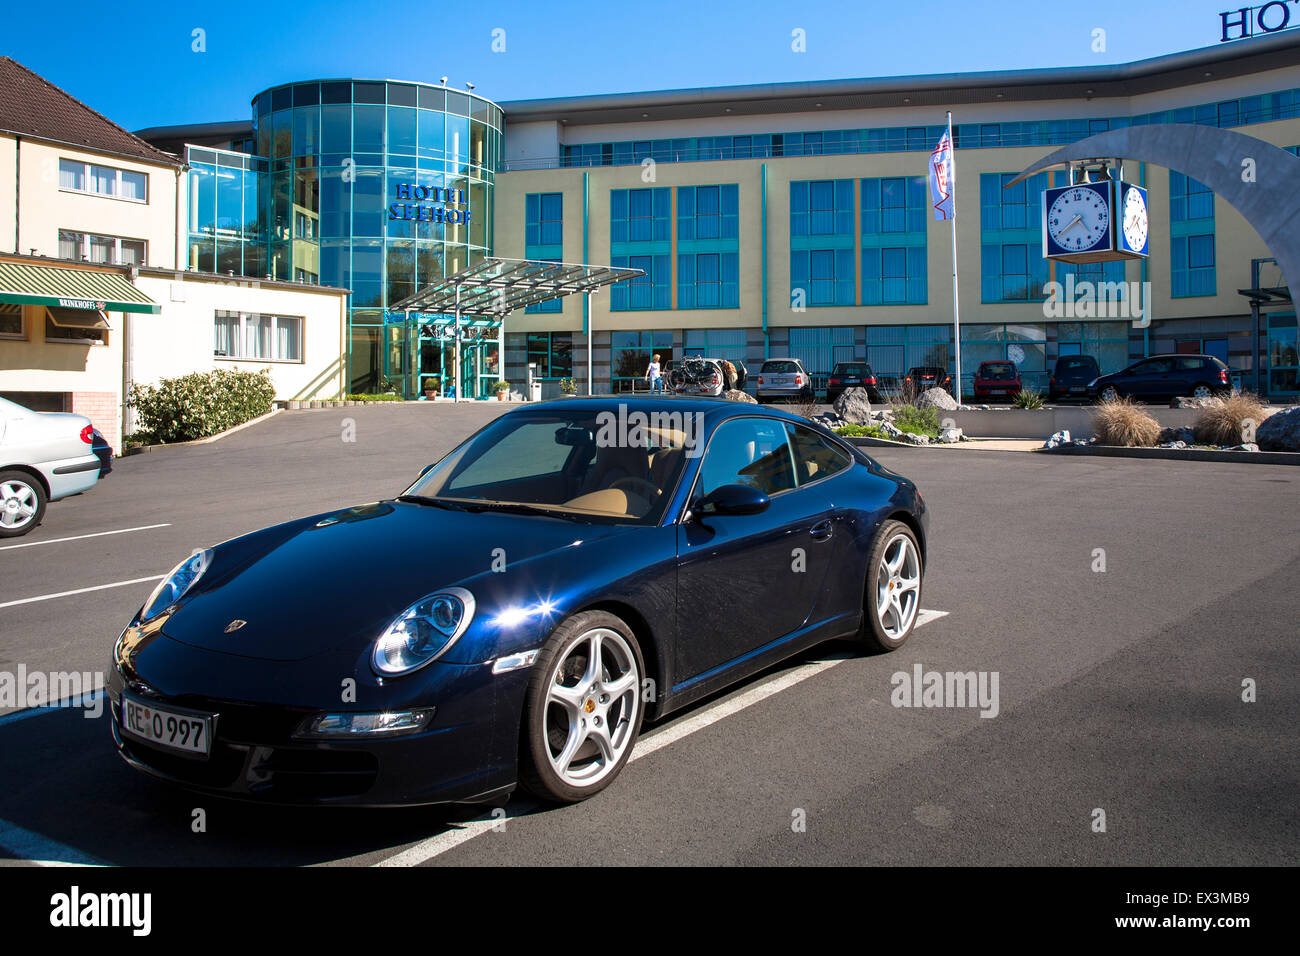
x,y
1095,222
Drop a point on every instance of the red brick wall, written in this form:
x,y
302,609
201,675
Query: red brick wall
x,y
103,409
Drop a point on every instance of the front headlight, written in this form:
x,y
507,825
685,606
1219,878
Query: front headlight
x,y
173,587
423,632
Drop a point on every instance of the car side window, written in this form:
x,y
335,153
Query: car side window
x,y
1190,364
748,451
815,456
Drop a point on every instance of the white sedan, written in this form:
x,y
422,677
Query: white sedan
x,y
44,456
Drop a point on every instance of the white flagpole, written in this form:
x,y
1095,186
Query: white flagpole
x,y
956,300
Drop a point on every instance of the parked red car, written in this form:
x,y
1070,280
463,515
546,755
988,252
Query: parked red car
x,y
997,380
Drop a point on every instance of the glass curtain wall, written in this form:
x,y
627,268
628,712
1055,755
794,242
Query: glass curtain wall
x,y
381,188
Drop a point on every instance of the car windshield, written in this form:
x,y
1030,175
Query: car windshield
x,y
601,466
1001,370
779,367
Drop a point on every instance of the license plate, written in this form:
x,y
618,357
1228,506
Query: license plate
x,y
997,391
188,731
850,381
1077,388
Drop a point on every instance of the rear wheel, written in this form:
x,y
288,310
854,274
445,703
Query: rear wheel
x,y
22,503
583,709
1202,391
1110,394
893,591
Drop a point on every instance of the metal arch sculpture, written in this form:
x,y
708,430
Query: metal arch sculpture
x,y
1268,198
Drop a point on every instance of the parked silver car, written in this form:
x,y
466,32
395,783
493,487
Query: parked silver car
x,y
784,379
44,456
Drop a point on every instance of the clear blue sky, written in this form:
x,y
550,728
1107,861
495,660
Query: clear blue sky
x,y
133,61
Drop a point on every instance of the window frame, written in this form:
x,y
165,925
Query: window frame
x,y
21,334
85,239
243,330
86,178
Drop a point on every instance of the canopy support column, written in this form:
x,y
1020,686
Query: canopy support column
x,y
456,347
591,334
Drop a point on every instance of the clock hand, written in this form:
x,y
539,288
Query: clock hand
x,y
1073,222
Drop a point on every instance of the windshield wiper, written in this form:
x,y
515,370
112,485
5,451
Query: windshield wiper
x,y
516,507
433,502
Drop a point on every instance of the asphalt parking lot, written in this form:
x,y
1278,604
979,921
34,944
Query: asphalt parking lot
x,y
1119,690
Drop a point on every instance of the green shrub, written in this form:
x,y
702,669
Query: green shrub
x,y
374,398
860,431
200,404
918,421
1028,398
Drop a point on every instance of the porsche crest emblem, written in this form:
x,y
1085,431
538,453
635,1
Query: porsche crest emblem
x,y
234,626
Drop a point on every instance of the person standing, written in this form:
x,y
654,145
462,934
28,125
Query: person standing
x,y
654,376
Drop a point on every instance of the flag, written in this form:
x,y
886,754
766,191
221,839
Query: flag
x,y
942,186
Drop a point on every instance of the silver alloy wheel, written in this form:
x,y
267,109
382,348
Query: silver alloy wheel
x,y
18,504
898,586
1109,394
591,707
1201,391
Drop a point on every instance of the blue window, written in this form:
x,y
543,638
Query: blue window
x,y
708,280
822,276
821,207
708,212
722,343
639,215
1012,267
652,291
894,215
543,219
1189,199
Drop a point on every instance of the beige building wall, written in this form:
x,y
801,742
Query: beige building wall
x,y
43,208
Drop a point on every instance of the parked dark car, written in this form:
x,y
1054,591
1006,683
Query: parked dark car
x,y
536,582
1163,377
925,377
783,379
996,380
1071,376
846,375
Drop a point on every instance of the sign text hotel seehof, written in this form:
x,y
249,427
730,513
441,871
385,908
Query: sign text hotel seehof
x,y
1255,21
430,204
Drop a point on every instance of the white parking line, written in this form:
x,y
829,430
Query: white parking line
x,y
80,537
30,847
435,846
67,703
97,587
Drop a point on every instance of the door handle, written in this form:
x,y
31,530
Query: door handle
x,y
821,530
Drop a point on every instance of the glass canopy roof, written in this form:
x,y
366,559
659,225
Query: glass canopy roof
x,y
492,287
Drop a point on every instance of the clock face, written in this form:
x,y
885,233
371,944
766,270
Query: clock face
x,y
1079,218
1135,219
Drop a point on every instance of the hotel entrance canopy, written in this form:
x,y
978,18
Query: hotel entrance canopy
x,y
71,288
492,288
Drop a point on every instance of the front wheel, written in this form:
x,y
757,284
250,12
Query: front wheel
x,y
1110,394
22,503
583,709
893,591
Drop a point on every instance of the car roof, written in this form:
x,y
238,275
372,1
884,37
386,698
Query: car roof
x,y
714,409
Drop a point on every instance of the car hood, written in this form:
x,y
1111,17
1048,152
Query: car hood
x,y
309,586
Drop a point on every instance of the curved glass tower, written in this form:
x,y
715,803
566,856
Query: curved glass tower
x,y
381,187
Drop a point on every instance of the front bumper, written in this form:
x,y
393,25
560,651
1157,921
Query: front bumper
x,y
468,751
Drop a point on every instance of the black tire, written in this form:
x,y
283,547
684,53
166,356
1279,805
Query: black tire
x,y
873,633
539,725
1101,393
27,489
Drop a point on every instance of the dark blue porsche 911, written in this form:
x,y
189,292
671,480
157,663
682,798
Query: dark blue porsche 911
x,y
571,570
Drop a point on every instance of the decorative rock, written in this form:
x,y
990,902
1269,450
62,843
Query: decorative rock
x,y
950,435
1249,446
736,395
1185,435
854,406
1173,444
936,398
1280,431
1186,402
1058,439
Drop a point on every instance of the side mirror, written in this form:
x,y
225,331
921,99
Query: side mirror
x,y
731,500
425,470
